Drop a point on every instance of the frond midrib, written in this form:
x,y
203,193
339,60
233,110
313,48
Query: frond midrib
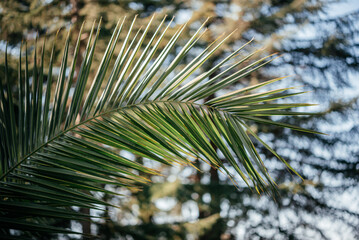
x,y
61,133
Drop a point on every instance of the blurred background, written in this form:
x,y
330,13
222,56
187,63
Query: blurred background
x,y
319,41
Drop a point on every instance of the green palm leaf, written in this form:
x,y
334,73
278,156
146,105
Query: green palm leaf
x,y
55,156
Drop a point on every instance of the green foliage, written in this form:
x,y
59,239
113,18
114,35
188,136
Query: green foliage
x,y
61,147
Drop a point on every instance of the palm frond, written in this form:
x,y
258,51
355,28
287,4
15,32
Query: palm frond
x,y
55,154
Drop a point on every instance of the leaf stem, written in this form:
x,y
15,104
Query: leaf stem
x,y
92,118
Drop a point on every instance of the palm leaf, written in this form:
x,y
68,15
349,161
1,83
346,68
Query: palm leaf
x,y
55,156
